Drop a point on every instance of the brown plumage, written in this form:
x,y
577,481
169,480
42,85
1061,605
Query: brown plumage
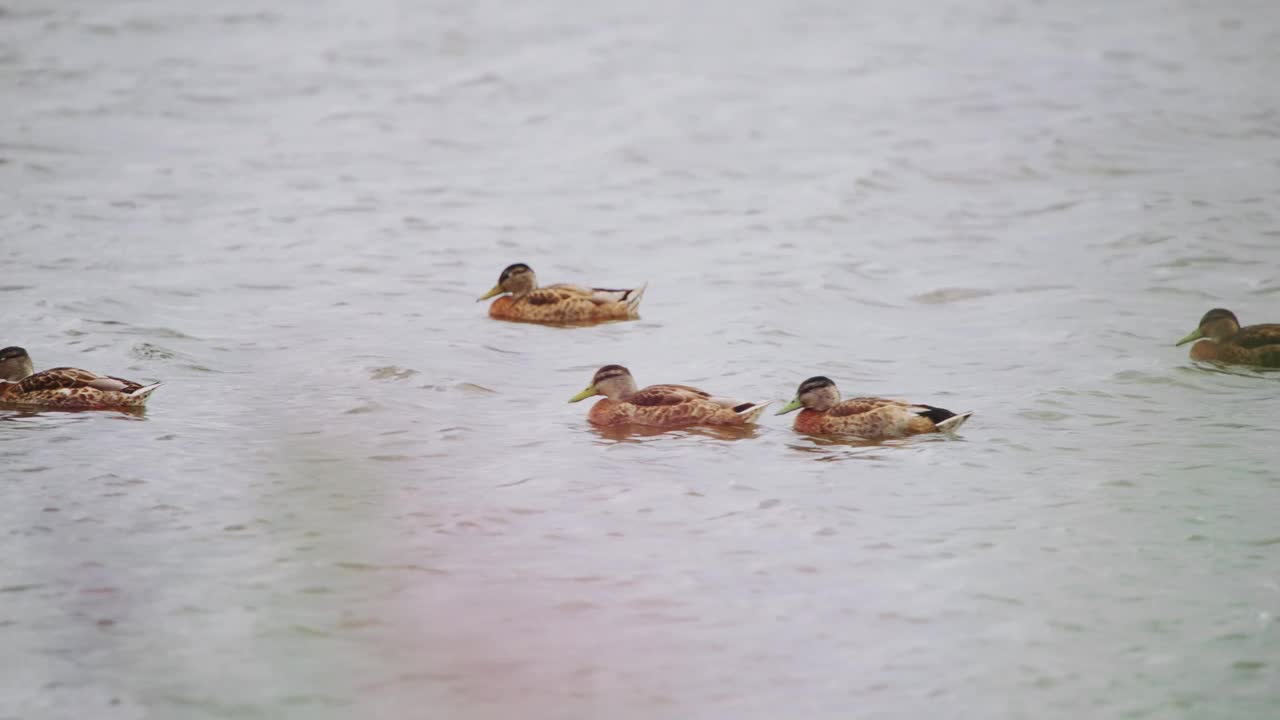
x,y
660,405
1225,341
64,388
824,413
558,304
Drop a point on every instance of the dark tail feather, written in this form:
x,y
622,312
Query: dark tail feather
x,y
743,407
936,414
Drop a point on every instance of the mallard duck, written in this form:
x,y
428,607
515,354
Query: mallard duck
x,y
1225,341
558,303
64,388
660,405
867,417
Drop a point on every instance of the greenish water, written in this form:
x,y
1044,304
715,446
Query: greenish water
x,y
356,496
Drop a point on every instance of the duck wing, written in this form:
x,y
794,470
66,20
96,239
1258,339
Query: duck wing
x,y
65,377
599,296
862,405
1256,336
554,294
666,395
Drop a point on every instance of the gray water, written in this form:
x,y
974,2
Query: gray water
x,y
357,496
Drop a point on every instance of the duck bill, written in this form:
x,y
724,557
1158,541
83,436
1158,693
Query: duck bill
x,y
584,394
1193,336
497,290
789,407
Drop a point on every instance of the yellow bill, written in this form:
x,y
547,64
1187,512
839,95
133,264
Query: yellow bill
x,y
497,290
789,407
591,390
1193,336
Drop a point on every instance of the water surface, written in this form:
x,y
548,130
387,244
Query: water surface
x,y
357,496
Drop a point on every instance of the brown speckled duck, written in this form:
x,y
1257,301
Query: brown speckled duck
x,y
666,406
866,417
64,388
558,304
1225,341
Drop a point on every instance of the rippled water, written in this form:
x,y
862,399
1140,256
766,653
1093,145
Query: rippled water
x,y
357,496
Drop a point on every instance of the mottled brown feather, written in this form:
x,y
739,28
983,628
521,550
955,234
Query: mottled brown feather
x,y
65,377
72,389
550,296
1261,356
1256,336
693,412
665,406
569,308
860,405
871,418
656,395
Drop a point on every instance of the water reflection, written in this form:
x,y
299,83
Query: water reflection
x,y
828,448
644,433
567,325
62,417
1248,371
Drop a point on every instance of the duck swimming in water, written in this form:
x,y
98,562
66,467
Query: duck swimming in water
x,y
824,413
660,405
558,304
64,388
1223,340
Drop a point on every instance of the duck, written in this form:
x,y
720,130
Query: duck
x,y
666,406
872,418
1223,340
524,301
64,388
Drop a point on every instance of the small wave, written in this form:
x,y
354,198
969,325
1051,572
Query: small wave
x,y
950,295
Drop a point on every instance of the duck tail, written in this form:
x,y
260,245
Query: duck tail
x,y
953,423
633,297
750,412
629,299
140,395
